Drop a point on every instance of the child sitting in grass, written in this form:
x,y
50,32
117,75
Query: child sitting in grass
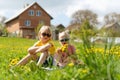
x,y
44,46
66,53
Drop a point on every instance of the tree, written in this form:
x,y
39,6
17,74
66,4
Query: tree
x,y
2,26
82,15
86,31
111,18
2,19
37,29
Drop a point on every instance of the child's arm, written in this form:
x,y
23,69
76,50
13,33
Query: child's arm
x,y
32,49
43,48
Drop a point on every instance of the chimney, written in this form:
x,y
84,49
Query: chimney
x,y
26,5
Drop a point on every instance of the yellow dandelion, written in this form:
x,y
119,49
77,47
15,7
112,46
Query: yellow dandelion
x,y
64,48
84,71
71,64
14,61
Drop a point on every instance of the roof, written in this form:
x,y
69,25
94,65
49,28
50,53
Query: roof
x,y
110,25
73,26
22,10
113,29
60,25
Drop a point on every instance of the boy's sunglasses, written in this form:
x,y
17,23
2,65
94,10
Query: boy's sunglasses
x,y
45,34
62,40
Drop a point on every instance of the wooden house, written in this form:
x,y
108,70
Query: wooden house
x,y
59,28
112,30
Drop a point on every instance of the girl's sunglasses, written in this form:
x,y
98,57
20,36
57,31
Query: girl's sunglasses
x,y
45,34
62,40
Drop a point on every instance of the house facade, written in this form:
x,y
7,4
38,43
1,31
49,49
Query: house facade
x,y
24,23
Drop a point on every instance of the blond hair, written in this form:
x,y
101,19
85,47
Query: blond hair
x,y
44,28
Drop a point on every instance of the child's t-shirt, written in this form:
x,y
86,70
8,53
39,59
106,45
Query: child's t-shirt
x,y
71,49
51,49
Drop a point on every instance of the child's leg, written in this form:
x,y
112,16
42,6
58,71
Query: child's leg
x,y
42,58
26,59
57,57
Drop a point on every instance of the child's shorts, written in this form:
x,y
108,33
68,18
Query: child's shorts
x,y
48,62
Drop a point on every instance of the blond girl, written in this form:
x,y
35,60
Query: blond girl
x,y
44,46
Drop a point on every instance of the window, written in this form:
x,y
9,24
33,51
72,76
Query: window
x,y
31,12
38,13
27,23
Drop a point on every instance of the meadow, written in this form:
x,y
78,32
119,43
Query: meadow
x,y
101,62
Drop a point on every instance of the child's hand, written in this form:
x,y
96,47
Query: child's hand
x,y
59,50
64,48
32,53
61,64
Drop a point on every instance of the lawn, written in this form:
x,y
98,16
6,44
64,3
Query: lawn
x,y
100,62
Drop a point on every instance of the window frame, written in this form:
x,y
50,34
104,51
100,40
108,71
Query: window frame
x,y
27,23
31,12
38,13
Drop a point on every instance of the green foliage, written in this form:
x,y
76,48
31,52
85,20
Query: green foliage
x,y
86,30
38,28
98,62
101,62
3,30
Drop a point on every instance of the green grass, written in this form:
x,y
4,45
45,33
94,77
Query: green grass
x,y
99,64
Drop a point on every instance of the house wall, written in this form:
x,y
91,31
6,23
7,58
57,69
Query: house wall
x,y
34,19
13,26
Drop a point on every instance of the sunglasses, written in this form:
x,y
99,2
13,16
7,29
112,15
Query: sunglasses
x,y
45,34
62,40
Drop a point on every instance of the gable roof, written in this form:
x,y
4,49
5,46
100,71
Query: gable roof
x,y
22,10
113,29
60,25
73,26
114,25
